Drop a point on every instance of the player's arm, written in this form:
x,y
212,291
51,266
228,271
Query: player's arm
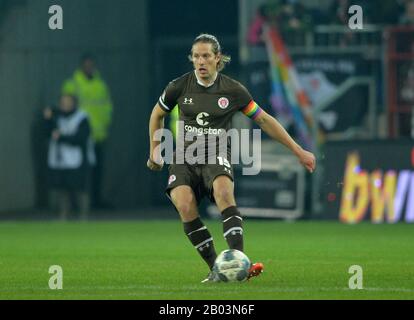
x,y
155,162
276,131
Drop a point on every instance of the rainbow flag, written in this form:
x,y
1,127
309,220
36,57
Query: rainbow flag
x,y
288,97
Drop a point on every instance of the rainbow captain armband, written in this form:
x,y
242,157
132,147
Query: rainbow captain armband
x,y
252,110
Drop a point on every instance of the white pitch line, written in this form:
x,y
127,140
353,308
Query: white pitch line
x,y
161,290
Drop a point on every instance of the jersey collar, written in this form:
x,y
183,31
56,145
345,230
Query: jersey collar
x,y
202,84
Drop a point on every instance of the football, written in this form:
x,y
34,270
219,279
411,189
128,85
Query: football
x,y
232,265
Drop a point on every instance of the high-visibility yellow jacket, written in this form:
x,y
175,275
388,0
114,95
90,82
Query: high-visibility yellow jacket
x,y
174,116
94,98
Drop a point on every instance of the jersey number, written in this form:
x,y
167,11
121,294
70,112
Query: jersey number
x,y
224,162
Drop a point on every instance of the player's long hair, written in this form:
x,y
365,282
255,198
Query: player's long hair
x,y
208,38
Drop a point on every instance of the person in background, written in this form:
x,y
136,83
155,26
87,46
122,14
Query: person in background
x,y
70,155
287,15
294,16
94,99
407,18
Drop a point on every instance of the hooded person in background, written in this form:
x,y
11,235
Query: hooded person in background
x,y
70,155
95,99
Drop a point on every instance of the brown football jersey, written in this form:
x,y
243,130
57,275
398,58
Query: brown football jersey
x,y
204,110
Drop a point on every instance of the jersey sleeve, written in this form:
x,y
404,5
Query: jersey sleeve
x,y
169,97
244,96
247,105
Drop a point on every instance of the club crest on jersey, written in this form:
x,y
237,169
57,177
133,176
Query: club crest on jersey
x,y
223,103
172,178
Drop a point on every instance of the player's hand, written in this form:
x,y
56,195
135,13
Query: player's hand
x,y
307,159
155,165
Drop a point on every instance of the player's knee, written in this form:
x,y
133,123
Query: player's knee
x,y
223,195
185,206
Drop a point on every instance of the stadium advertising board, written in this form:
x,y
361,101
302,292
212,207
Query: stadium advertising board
x,y
276,192
370,181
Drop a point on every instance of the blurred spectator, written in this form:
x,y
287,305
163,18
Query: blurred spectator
x,y
287,15
407,88
339,11
266,13
70,155
94,98
406,97
387,12
407,17
294,16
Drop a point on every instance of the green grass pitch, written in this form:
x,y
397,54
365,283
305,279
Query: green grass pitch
x,y
154,260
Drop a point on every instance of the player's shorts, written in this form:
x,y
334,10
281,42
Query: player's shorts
x,y
199,177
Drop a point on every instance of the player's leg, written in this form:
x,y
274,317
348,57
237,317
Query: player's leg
x,y
223,192
185,202
64,204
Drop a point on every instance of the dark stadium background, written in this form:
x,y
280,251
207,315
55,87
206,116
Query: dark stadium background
x,y
357,208
141,45
123,37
